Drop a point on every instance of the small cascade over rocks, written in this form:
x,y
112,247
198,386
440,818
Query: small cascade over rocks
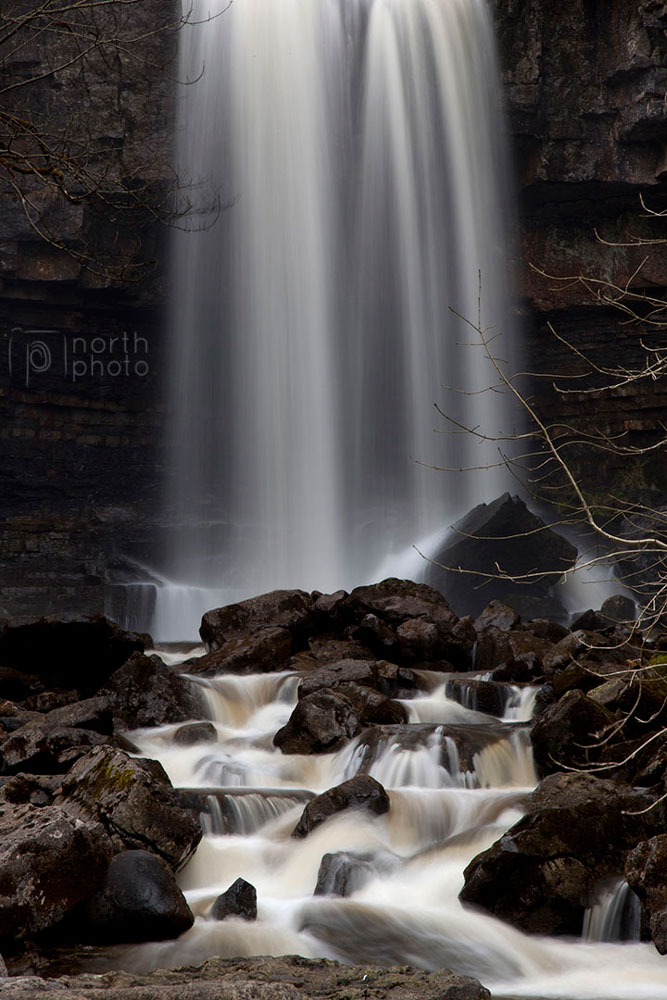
x,y
616,916
369,852
430,843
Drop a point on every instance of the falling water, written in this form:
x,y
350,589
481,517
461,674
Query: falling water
x,y
349,176
375,889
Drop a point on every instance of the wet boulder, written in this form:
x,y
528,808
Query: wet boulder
x,y
496,615
360,792
619,609
134,801
326,649
568,733
541,875
646,873
138,901
336,674
79,654
240,900
49,862
503,534
397,601
380,637
263,650
288,609
196,732
47,744
419,641
145,692
372,707
321,722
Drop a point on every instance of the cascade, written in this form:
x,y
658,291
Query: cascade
x,y
348,170
375,889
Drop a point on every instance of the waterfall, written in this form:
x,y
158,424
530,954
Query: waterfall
x,y
346,175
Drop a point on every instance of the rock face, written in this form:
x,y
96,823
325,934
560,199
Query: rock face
x,y
66,432
144,692
583,87
540,876
49,862
646,873
360,792
289,978
565,734
135,803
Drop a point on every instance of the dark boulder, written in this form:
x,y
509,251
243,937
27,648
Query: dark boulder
x,y
79,654
542,874
48,743
496,615
503,534
584,644
342,672
376,634
397,601
289,609
321,722
240,900
17,685
139,901
36,789
135,803
568,733
590,620
419,640
196,732
619,609
326,605
39,750
326,649
425,627
145,692
49,862
360,792
372,707
394,681
263,650
646,873
47,701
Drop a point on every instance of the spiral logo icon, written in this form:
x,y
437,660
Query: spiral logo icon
x,y
29,356
38,359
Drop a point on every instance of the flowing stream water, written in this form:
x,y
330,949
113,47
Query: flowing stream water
x,y
348,169
401,872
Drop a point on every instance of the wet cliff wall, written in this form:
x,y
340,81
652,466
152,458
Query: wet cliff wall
x,y
83,282
585,89
82,362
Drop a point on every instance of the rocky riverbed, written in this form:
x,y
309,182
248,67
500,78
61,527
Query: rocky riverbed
x,y
94,835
